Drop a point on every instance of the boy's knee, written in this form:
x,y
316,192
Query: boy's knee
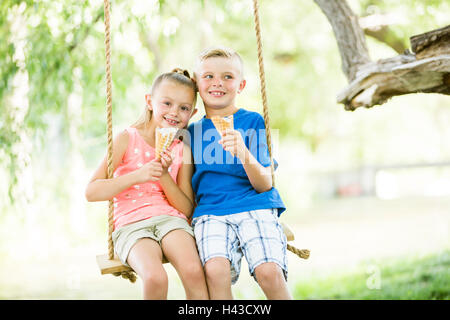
x,y
217,269
269,273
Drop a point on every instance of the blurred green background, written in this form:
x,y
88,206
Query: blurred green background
x,y
368,192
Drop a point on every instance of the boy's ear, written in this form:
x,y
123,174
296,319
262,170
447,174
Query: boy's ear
x,y
242,85
148,100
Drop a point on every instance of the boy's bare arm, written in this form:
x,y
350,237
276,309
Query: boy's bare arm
x,y
260,177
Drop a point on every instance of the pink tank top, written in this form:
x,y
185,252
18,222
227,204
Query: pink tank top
x,y
145,200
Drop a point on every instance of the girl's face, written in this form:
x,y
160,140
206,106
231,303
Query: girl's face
x,y
172,104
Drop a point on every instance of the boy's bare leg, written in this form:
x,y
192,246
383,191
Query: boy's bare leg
x,y
179,248
145,258
218,277
271,280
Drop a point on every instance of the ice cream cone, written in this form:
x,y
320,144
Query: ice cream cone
x,y
164,138
223,123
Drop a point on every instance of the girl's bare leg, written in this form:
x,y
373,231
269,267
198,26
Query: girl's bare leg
x,y
145,258
180,249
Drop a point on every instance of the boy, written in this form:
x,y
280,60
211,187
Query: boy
x,y
237,208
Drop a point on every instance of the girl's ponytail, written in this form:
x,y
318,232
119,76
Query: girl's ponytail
x,y
182,71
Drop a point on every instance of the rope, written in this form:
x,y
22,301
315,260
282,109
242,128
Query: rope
x,y
130,275
263,87
304,254
109,122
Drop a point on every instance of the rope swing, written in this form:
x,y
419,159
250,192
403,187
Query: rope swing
x,y
110,264
123,271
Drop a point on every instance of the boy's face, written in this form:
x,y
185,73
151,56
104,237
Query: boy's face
x,y
219,80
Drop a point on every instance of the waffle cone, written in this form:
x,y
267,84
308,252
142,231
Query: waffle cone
x,y
164,138
222,123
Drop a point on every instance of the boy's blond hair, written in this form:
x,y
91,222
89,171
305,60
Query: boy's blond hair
x,y
221,52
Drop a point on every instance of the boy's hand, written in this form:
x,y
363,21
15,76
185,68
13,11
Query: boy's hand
x,y
151,171
232,142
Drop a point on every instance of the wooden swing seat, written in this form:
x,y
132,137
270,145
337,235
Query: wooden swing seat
x,y
108,266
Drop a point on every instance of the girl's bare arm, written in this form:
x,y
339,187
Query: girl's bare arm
x,y
99,187
180,194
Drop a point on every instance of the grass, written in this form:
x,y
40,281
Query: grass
x,y
425,278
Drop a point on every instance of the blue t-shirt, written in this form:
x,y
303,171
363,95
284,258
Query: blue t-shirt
x,y
220,183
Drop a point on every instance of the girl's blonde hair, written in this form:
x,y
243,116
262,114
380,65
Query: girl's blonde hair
x,y
180,76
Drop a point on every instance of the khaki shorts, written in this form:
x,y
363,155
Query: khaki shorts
x,y
154,228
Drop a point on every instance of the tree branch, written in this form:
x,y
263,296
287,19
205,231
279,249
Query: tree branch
x,y
386,36
372,83
349,35
377,26
381,80
431,43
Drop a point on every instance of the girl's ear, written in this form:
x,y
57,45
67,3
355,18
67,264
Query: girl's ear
x,y
148,101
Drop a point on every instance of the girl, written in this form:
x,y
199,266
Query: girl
x,y
153,199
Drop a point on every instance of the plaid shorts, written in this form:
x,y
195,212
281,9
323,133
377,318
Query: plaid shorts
x,y
257,235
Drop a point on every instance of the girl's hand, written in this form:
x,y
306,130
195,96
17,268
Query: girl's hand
x,y
151,171
166,160
232,142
